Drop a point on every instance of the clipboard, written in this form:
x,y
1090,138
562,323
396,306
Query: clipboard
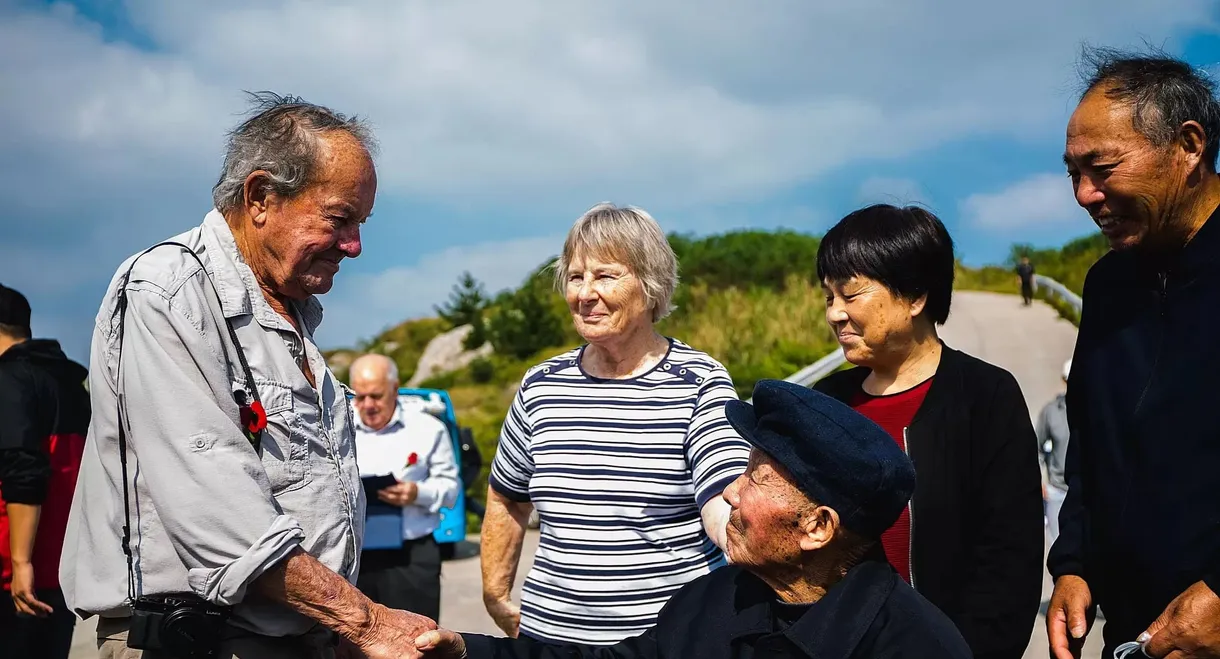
x,y
372,484
382,522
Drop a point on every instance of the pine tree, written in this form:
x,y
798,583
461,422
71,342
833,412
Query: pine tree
x,y
465,306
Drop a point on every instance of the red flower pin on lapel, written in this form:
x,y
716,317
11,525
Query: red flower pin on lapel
x,y
412,459
253,418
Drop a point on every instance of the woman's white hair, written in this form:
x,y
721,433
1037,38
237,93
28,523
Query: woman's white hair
x,y
630,236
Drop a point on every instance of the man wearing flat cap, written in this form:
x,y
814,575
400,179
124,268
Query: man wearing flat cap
x,y
805,578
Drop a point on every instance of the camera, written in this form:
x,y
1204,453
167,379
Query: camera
x,y
182,626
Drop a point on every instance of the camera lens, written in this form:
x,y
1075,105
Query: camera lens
x,y
189,633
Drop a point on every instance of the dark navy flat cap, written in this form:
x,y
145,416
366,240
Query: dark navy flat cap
x,y
838,457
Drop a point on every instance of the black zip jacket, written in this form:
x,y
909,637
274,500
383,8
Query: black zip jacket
x,y
44,415
42,394
727,614
977,534
1141,521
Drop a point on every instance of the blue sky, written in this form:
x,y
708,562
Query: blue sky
x,y
501,122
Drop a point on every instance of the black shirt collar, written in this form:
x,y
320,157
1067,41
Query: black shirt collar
x,y
1202,250
833,626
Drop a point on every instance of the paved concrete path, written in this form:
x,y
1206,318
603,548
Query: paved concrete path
x,y
1030,342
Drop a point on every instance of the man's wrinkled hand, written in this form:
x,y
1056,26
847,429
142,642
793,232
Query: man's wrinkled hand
x,y
1189,628
24,599
1069,617
442,644
399,494
506,615
391,633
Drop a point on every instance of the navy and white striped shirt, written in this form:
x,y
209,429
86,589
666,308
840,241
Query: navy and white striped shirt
x,y
618,471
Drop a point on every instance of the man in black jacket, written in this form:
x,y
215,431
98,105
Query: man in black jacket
x,y
44,413
822,483
1140,528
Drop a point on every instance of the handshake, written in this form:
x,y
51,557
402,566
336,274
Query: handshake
x,y
395,634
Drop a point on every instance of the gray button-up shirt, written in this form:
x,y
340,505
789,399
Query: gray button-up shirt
x,y
1053,426
208,515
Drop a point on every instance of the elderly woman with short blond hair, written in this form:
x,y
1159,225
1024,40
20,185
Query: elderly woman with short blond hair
x,y
621,445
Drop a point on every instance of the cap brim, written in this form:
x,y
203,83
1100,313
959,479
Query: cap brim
x,y
741,416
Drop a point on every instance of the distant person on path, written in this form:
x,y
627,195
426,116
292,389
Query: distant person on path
x,y
415,448
1139,534
621,445
1052,429
44,414
1025,276
238,486
972,539
821,486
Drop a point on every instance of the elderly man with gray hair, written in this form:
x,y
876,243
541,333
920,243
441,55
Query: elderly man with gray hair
x,y
415,449
621,445
219,509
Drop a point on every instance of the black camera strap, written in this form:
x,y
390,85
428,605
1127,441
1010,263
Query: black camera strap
x,y
255,436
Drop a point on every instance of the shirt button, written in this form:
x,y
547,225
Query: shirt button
x,y
199,443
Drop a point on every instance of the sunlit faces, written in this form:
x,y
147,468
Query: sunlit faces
x,y
764,525
308,235
867,317
1129,185
606,299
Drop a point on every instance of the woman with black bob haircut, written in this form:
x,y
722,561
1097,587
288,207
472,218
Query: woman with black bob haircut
x,y
971,540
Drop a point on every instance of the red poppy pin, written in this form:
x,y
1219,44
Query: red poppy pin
x,y
253,419
412,459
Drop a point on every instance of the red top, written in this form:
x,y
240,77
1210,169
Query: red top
x,y
894,413
65,455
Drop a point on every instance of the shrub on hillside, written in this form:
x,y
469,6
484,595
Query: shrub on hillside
x,y
533,317
482,370
744,259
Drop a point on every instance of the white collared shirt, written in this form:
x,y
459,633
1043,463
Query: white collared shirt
x,y
412,432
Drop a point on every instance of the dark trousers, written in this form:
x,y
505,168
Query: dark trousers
x,y
37,638
408,578
1027,292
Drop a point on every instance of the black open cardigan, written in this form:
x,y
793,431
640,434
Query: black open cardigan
x,y
977,529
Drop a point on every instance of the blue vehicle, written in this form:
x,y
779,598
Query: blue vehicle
x,y
436,402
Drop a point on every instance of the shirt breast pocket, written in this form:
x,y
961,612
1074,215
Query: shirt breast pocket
x,y
285,444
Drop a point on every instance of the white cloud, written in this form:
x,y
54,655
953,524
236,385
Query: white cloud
x,y
1038,200
898,191
362,304
526,105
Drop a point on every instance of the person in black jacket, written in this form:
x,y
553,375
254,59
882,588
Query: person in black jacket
x,y
1140,527
972,539
44,413
822,484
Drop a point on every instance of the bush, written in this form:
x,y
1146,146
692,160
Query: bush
x,y
746,259
482,370
527,320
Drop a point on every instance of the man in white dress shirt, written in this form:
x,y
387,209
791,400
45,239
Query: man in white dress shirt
x,y
415,448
